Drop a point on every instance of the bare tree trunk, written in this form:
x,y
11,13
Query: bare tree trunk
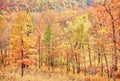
x,y
89,55
39,51
119,40
47,55
78,67
107,65
84,60
22,67
61,65
94,57
98,56
68,65
73,62
101,66
2,57
77,64
73,66
77,58
49,60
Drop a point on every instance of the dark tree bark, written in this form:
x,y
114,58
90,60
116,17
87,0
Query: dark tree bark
x,y
84,60
113,34
89,55
2,56
22,66
101,66
99,56
107,65
67,65
39,51
78,67
49,60
73,69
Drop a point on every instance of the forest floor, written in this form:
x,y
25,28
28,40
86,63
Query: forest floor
x,y
14,74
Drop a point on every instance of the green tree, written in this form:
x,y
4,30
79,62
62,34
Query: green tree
x,y
48,41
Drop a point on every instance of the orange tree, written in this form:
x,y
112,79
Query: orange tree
x,y
20,36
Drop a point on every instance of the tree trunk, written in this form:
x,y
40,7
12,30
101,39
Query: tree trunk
x,y
77,59
39,51
49,60
98,56
114,39
84,60
78,67
101,66
89,55
106,64
47,55
61,65
119,40
77,63
22,67
2,56
68,65
73,69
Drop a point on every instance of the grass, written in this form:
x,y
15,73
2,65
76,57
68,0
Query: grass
x,y
32,74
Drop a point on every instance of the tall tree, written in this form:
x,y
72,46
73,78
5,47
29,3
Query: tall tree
x,y
19,34
112,8
48,41
79,36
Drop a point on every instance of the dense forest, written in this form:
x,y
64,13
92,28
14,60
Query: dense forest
x,y
59,40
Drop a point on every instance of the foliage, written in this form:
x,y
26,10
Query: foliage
x,y
70,36
21,30
80,27
48,35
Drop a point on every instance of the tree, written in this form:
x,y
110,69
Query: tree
x,y
3,39
48,41
19,34
79,37
101,37
112,8
106,22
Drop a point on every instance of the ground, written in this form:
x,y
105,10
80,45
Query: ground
x,y
32,74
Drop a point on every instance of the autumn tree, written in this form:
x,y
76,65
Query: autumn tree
x,y
79,38
42,20
48,41
19,33
101,37
3,39
112,8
